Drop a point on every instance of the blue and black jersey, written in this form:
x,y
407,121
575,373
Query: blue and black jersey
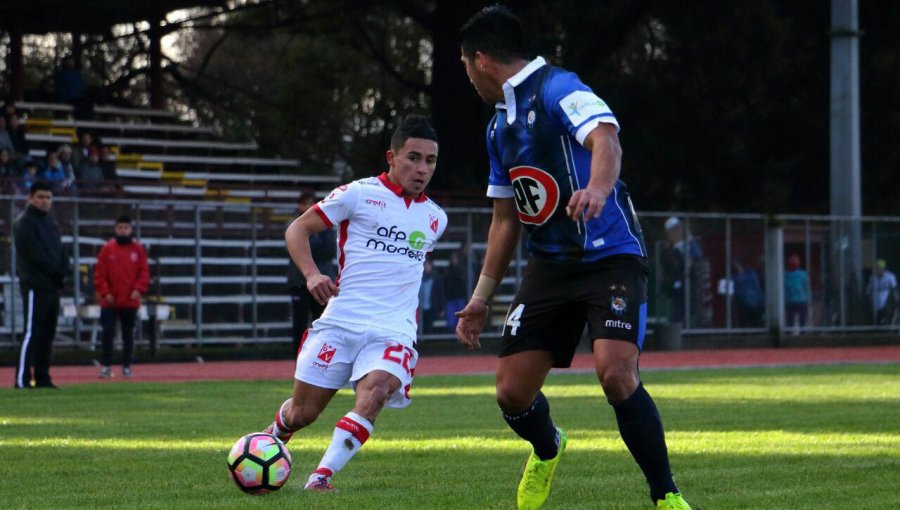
x,y
535,147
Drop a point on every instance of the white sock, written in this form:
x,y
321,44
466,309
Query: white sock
x,y
350,433
278,427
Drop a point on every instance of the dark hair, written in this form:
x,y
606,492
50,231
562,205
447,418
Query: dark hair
x,y
496,31
413,126
306,196
123,219
40,186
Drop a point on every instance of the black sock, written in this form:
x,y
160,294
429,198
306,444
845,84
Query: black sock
x,y
642,430
535,426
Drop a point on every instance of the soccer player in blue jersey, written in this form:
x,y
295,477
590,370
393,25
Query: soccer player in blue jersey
x,y
554,167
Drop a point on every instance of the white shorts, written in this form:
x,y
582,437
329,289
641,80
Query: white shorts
x,y
336,357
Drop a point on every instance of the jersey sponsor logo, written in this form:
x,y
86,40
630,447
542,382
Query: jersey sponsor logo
x,y
581,105
326,353
530,119
415,240
536,194
377,203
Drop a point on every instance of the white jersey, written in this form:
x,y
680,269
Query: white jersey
x,y
382,240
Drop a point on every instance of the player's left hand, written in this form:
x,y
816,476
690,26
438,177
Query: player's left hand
x,y
135,295
588,202
471,322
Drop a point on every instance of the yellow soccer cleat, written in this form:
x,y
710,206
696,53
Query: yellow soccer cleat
x,y
673,501
535,485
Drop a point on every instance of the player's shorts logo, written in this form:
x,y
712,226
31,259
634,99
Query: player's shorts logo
x,y
618,304
537,194
326,353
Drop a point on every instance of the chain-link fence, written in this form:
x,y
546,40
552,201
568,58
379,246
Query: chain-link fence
x,y
218,271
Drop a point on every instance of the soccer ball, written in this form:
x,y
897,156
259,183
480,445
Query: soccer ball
x,y
259,463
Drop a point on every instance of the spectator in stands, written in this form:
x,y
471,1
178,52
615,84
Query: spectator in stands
x,y
42,267
85,141
431,297
9,107
121,277
305,309
89,174
5,140
748,296
108,164
28,177
17,135
70,85
682,257
456,291
796,292
65,159
882,290
54,172
8,172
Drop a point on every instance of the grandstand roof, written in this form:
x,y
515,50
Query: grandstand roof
x,y
86,16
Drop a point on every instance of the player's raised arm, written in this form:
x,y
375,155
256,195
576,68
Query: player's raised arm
x,y
296,238
501,244
606,163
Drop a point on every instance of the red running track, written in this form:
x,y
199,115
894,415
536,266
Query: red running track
x,y
480,363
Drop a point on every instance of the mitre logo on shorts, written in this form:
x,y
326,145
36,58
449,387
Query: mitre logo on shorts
x,y
326,353
536,193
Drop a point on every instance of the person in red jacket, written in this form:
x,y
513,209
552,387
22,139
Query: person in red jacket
x,y
121,277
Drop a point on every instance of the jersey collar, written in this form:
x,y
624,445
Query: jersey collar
x,y
509,93
398,190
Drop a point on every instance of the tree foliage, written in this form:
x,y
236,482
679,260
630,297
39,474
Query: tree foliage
x,y
724,106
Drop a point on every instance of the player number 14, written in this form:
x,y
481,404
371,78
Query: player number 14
x,y
514,319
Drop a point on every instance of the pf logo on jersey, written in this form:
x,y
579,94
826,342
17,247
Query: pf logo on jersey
x,y
537,194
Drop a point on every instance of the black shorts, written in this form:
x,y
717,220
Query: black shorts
x,y
557,299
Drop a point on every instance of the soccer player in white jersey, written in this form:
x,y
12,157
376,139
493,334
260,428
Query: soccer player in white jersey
x,y
366,335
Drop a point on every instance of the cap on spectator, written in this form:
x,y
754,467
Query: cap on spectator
x,y
672,222
66,148
881,264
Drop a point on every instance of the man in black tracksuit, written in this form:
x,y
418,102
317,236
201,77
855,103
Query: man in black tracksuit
x,y
41,265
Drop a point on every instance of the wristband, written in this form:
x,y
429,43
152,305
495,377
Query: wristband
x,y
484,288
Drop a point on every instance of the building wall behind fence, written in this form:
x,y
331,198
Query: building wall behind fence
x,y
218,269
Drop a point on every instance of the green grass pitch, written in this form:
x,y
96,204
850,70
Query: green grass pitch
x,y
774,438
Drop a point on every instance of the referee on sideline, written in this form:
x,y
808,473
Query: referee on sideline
x,y
42,266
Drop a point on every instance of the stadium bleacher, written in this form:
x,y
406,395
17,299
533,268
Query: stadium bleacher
x,y
156,155
217,258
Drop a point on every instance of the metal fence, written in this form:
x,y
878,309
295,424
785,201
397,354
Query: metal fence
x,y
218,270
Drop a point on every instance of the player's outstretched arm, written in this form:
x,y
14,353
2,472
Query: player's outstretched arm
x,y
296,238
502,239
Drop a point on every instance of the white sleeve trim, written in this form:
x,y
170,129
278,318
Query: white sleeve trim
x,y
495,191
589,126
